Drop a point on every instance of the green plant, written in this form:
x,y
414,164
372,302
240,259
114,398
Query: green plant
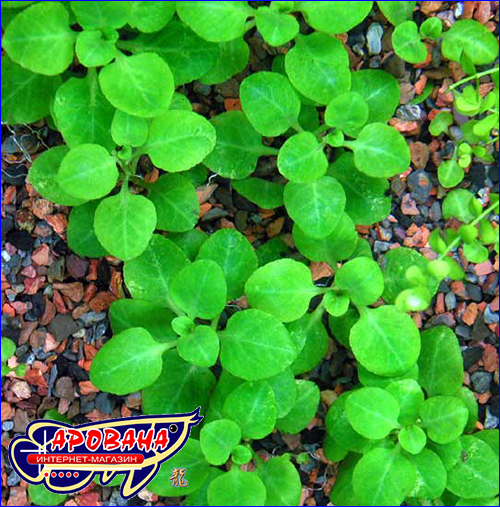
x,y
116,104
8,349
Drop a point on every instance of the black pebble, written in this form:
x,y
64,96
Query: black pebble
x,y
15,174
21,239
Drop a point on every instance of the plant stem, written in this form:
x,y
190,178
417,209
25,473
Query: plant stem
x,y
474,76
296,126
174,307
215,322
321,129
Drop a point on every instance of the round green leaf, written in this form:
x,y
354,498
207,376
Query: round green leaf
x,y
458,204
40,495
276,28
444,418
8,349
372,412
130,361
180,387
93,50
338,245
318,67
450,453
253,406
88,172
152,80
380,151
334,17
215,21
303,410
217,440
397,12
39,38
413,439
197,468
270,102
316,207
237,148
83,114
25,96
490,437
43,176
101,14
124,224
150,16
366,202
282,481
362,279
410,398
348,112
190,241
241,455
148,276
440,362
15,5
81,234
385,341
472,38
475,252
256,345
127,313
302,159
176,203
431,475
237,487
285,391
178,140
235,255
310,337
200,289
450,174
232,59
282,288
128,130
467,396
266,194
201,347
476,472
407,44
380,90
225,385
383,477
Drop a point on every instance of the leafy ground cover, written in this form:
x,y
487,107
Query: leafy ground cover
x,y
325,177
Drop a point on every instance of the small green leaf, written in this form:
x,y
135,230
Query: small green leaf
x,y
127,313
407,44
397,12
457,204
431,28
372,412
336,304
301,159
201,347
475,252
383,477
176,203
282,481
471,37
412,439
256,345
362,279
409,396
476,472
81,234
152,79
150,16
39,38
82,113
236,487
217,440
450,174
92,15
316,207
232,59
124,224
276,28
130,361
270,102
303,410
43,176
348,112
215,21
26,96
200,289
237,148
148,276
180,387
128,130
285,391
266,194
380,151
440,123
88,172
183,325
318,67
467,396
252,405
93,50
190,241
8,349
282,288
385,341
444,418
40,495
241,455
431,475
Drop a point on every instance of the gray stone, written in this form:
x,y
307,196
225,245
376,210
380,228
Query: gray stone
x,y
409,112
64,388
62,327
7,425
491,421
13,479
489,316
463,332
481,381
471,355
450,300
104,403
92,317
420,184
381,246
374,38
474,292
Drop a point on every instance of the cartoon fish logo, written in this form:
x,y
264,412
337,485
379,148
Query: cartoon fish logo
x,y
66,458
